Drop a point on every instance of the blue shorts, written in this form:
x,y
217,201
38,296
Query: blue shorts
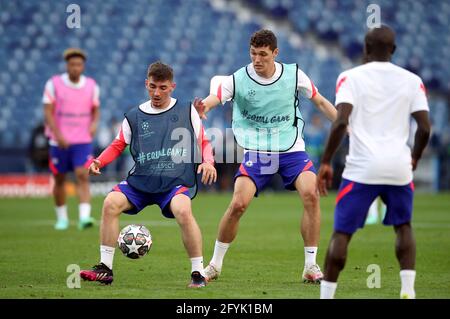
x,y
66,160
354,199
140,200
260,167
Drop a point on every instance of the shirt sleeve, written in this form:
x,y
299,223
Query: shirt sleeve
x,y
344,92
203,142
419,101
49,93
96,97
117,146
222,87
125,132
305,86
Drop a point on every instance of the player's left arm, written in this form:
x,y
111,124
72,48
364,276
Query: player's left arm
x,y
421,137
337,133
324,106
95,112
95,118
306,87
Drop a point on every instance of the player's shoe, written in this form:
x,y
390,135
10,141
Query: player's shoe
x,y
85,223
312,274
211,272
404,295
197,280
99,272
62,224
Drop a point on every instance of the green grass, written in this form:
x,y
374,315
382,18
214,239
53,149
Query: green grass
x,y
265,261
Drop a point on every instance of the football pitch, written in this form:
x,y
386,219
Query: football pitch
x,y
265,260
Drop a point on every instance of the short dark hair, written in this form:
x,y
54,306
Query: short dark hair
x,y
264,38
74,52
160,71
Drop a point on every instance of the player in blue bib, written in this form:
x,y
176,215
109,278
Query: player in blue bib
x,y
164,135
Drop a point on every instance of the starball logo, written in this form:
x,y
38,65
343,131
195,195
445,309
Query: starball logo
x,y
145,126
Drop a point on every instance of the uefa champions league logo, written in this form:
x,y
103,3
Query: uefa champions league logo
x,y
251,93
145,126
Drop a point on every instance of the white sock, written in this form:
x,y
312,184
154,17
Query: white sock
x,y
220,250
373,209
107,255
197,265
327,289
407,278
310,256
84,210
61,212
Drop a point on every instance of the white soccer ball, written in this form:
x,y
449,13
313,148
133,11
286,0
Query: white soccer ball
x,y
134,241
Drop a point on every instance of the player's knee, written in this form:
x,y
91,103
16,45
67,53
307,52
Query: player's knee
x,y
82,177
60,180
111,207
310,197
338,259
238,207
183,215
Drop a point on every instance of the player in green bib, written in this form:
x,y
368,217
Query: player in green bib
x,y
268,125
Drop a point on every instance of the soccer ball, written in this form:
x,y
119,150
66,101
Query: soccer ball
x,y
134,241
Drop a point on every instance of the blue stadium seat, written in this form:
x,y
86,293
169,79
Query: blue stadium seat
x,y
199,41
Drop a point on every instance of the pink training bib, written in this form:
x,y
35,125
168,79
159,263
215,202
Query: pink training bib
x,y
73,110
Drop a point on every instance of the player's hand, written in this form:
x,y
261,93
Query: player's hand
x,y
62,143
93,129
94,168
209,173
324,178
200,107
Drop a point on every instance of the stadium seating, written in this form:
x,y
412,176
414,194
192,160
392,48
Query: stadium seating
x,y
121,39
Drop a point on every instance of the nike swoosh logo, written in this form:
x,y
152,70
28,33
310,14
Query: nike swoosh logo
x,y
311,252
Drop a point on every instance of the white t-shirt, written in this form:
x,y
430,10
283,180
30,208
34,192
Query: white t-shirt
x,y
383,96
147,108
223,88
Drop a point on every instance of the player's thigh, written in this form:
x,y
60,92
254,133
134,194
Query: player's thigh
x,y
352,205
80,154
259,168
59,162
81,174
60,179
180,205
399,204
244,190
117,202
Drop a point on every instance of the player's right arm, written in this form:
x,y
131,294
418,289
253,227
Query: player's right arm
x,y
337,133
48,100
113,151
51,123
221,90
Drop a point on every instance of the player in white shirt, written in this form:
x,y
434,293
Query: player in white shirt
x,y
375,102
268,125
